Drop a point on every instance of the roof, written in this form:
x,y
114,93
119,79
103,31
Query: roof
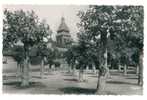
x,y
63,26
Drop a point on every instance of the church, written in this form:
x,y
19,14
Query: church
x,y
63,37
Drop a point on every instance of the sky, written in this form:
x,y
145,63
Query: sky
x,y
53,13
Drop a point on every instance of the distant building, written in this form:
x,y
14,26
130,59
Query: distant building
x,y
63,37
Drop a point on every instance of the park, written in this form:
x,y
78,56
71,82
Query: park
x,y
105,59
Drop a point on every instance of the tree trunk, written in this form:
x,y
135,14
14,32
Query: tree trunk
x,y
81,75
102,75
125,69
25,73
106,64
137,69
87,69
94,69
69,68
49,67
119,68
73,70
42,68
19,71
140,75
101,83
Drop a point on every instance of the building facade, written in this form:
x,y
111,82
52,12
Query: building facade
x,y
63,37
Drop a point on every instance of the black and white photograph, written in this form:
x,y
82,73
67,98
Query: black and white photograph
x,y
73,49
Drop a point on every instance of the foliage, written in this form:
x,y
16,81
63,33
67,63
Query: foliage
x,y
24,27
119,29
18,53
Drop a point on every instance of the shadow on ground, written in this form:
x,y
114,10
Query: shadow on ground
x,y
131,78
117,74
31,85
85,91
75,80
38,77
68,75
94,76
119,82
9,77
77,90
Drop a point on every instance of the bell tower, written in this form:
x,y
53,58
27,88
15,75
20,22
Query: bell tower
x,y
63,36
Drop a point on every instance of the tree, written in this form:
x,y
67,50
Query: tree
x,y
42,45
132,25
22,26
18,55
96,23
42,53
109,30
52,57
70,58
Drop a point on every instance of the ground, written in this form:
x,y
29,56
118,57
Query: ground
x,y
62,82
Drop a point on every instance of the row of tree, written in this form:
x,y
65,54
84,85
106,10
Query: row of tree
x,y
109,33
26,36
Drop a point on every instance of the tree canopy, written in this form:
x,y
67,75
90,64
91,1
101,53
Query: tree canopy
x,y
26,28
117,28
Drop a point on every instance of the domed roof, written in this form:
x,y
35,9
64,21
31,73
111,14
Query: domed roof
x,y
63,26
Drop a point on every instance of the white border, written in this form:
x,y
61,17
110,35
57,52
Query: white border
x,y
74,2
85,2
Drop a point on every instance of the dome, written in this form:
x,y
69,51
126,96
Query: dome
x,y
63,26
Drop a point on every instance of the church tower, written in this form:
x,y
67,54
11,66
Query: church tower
x,y
63,36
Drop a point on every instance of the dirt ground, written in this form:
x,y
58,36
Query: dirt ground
x,y
61,82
